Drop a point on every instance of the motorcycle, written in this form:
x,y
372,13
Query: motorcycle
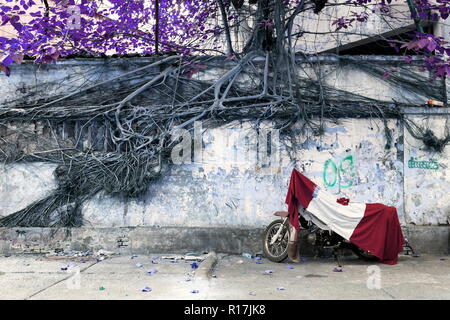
x,y
279,234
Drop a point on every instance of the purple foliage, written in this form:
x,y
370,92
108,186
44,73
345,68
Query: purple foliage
x,y
70,27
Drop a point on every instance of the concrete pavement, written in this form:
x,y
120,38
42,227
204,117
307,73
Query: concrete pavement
x,y
232,277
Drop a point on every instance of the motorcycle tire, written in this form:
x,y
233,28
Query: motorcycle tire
x,y
278,251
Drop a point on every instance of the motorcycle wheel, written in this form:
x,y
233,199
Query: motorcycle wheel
x,y
364,255
276,252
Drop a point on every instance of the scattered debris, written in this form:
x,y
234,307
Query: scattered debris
x,y
154,261
79,256
435,103
258,260
70,265
247,255
252,293
101,288
260,255
7,255
269,271
442,259
146,289
280,288
337,270
194,265
139,265
415,255
133,256
188,257
194,291
152,271
240,261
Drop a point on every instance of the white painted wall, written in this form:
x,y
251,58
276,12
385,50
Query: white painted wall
x,y
225,190
230,188
427,185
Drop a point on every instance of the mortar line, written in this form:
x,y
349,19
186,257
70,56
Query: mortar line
x,y
59,281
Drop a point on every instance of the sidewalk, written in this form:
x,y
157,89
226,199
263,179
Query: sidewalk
x,y
232,277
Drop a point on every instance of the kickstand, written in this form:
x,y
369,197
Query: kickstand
x,y
407,247
337,257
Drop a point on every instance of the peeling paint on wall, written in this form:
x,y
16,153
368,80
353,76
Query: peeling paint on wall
x,y
230,187
427,190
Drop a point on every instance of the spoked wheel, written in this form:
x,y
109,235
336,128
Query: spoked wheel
x,y
277,251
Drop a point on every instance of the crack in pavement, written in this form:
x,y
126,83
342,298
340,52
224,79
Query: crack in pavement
x,y
390,295
59,281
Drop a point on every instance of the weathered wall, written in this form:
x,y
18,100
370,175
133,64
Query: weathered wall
x,y
427,177
230,188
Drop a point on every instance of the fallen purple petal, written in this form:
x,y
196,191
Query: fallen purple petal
x,y
280,288
415,255
194,291
259,262
154,261
146,289
337,270
152,271
133,256
252,293
290,267
139,265
268,271
194,265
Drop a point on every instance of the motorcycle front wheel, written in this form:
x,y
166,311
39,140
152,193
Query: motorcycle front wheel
x,y
277,251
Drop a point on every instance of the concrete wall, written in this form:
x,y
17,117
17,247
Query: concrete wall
x,y
427,177
229,187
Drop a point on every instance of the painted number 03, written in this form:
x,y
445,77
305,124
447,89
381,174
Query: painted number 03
x,y
338,175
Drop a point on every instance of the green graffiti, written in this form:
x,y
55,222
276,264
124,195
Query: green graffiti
x,y
346,169
334,170
343,174
432,164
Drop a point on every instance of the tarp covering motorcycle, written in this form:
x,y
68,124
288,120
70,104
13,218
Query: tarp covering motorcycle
x,y
373,227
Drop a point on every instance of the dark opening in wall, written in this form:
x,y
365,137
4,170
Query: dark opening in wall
x,y
382,44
